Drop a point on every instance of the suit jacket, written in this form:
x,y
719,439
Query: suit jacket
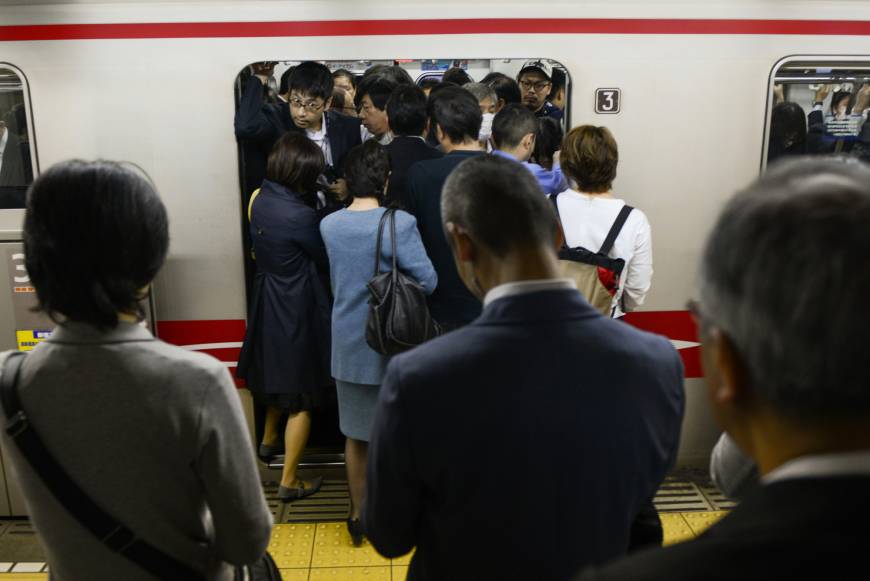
x,y
523,445
404,152
806,528
258,126
452,303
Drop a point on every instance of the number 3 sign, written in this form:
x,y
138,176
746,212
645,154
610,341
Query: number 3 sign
x,y
607,101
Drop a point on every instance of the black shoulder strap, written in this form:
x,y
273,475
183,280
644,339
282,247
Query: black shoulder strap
x,y
108,530
554,201
615,229
383,221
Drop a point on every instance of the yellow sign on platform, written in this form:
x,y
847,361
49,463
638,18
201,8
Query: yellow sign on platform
x,y
29,339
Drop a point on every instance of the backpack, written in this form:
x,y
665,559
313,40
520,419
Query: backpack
x,y
596,274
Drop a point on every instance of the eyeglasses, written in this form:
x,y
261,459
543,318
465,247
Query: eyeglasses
x,y
538,87
310,106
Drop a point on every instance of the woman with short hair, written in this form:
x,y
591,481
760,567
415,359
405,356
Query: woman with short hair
x,y
285,356
153,433
588,209
350,236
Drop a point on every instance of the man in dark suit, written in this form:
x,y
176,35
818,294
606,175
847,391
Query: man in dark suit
x,y
522,445
456,117
258,126
784,318
406,114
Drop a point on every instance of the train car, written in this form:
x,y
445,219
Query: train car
x,y
687,89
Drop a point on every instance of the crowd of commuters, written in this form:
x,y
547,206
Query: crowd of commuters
x,y
576,415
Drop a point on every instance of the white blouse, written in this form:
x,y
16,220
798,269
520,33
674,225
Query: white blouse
x,y
587,220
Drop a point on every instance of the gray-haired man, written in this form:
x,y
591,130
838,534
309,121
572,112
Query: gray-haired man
x,y
785,324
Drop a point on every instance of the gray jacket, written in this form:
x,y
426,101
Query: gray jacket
x,y
156,436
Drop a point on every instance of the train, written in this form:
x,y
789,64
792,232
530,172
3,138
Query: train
x,y
686,88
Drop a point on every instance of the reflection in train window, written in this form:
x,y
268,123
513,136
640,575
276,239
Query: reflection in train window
x,y
16,163
819,106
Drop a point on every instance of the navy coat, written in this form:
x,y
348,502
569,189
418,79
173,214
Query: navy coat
x,y
287,343
523,445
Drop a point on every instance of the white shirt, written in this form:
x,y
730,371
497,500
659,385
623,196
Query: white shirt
x,y
822,465
365,135
321,139
587,220
510,289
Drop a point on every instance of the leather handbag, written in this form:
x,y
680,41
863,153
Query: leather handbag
x,y
399,317
114,535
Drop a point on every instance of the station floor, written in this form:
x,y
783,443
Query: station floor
x,y
310,540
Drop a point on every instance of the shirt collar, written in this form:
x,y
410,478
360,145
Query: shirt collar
x,y
524,287
318,135
504,154
71,332
822,466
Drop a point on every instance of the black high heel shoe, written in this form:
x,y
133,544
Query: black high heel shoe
x,y
355,528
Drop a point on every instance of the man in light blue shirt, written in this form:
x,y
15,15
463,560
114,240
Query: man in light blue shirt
x,y
513,133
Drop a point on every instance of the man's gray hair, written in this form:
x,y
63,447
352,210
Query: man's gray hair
x,y
785,275
481,92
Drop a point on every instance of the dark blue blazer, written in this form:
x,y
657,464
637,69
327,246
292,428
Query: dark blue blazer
x,y
523,445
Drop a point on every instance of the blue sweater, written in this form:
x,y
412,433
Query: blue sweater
x,y
350,238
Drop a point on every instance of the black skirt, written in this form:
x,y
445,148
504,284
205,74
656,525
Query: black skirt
x,y
296,402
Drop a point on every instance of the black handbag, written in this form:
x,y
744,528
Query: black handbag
x,y
399,318
114,535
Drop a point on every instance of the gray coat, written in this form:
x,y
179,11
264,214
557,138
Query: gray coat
x,y
156,436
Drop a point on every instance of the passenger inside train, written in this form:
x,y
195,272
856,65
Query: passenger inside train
x,y
527,266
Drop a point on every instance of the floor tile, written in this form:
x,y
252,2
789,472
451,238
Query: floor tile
x,y
350,574
290,545
701,521
334,548
676,529
294,574
404,559
400,572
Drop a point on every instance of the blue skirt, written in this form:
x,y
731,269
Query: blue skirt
x,y
356,409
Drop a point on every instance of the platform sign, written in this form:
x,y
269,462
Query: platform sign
x,y
608,101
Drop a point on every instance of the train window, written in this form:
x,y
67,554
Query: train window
x,y
819,106
16,159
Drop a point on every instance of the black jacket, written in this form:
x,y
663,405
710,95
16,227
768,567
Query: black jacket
x,y
804,528
404,152
523,445
451,303
258,126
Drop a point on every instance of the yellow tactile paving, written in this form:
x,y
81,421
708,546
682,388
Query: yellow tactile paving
x,y
24,576
400,572
294,574
676,529
334,548
701,521
350,574
290,545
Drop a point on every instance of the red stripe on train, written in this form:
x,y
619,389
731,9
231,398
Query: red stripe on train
x,y
676,325
436,26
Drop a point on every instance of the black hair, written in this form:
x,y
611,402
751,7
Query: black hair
x,y
295,162
500,204
788,131
456,112
284,85
394,73
505,87
547,141
346,74
429,82
406,110
456,75
366,169
557,82
839,96
378,88
511,124
312,79
95,235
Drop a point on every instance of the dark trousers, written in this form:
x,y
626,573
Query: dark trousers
x,y
646,530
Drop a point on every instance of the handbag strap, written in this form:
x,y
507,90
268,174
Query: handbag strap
x,y
553,198
383,221
615,229
392,213
118,538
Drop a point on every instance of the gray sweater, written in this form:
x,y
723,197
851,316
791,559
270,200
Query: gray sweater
x,y
156,436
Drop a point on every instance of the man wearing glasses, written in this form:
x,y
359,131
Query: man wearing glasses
x,y
535,80
258,126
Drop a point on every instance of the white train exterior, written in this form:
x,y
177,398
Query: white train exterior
x,y
153,82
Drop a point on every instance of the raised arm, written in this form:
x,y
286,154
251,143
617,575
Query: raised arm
x,y
226,465
251,121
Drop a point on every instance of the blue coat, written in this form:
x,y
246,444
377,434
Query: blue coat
x,y
523,445
350,238
286,347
